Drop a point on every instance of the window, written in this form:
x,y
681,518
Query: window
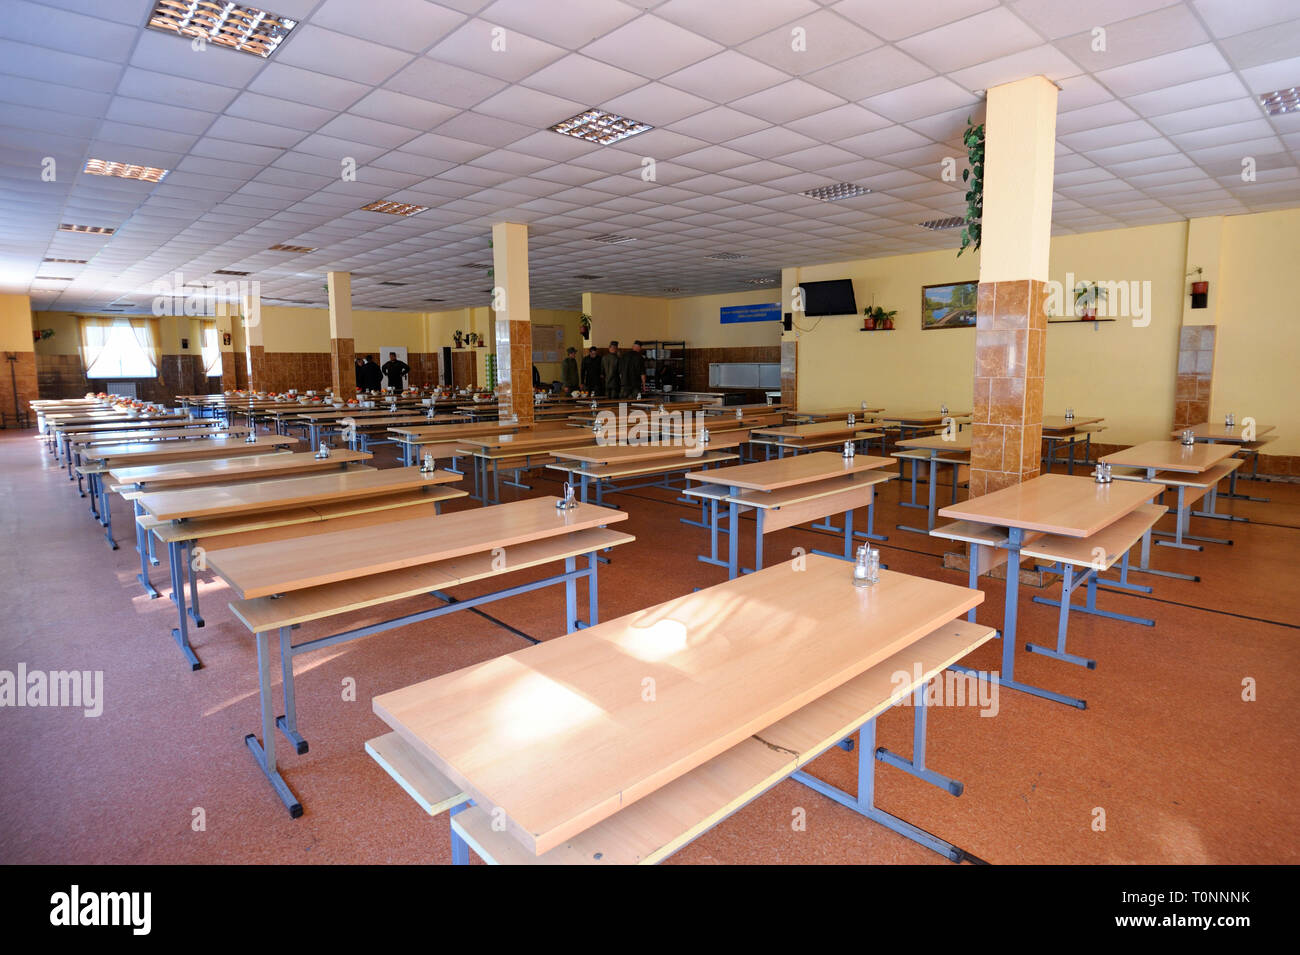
x,y
119,348
211,351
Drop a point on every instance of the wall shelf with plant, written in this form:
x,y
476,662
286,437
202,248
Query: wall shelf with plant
x,y
876,319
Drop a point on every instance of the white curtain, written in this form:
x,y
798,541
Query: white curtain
x,y
211,350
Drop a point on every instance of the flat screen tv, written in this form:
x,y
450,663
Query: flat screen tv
x,y
829,298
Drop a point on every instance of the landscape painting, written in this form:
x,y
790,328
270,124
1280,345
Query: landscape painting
x,y
949,306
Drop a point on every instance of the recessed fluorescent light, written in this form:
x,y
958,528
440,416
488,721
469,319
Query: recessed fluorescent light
x,y
952,222
394,208
435,300
290,248
759,281
94,229
392,283
52,278
671,291
612,239
835,192
725,256
102,167
230,272
598,126
241,28
69,261
476,265
588,278
1281,101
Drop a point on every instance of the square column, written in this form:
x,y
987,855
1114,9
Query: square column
x,y
1011,321
258,373
513,322
343,375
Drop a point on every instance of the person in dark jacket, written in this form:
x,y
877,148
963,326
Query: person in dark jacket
x,y
609,370
374,374
395,370
361,372
537,378
591,378
631,371
569,370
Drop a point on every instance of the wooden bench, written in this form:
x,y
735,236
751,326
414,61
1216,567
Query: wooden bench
x,y
1092,555
652,828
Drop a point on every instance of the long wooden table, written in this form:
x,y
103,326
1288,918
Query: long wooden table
x,y
182,518
1059,504
285,582
944,447
1248,439
784,492
599,465
797,437
734,673
1058,429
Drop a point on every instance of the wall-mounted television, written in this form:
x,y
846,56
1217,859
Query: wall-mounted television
x,y
829,298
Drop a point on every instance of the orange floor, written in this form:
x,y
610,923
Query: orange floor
x,y
1184,769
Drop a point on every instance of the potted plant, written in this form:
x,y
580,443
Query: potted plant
x,y
584,324
459,336
1086,297
875,318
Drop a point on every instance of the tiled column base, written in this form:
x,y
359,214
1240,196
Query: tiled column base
x,y
515,370
1007,425
343,370
1195,375
24,377
230,370
257,370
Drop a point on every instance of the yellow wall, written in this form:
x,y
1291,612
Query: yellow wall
x,y
698,321
67,332
295,329
1258,349
15,323
626,318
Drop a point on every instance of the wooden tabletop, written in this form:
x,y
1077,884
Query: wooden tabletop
x,y
625,453
921,417
223,470
960,441
1210,431
1056,504
132,424
451,431
821,429
843,412
261,569
196,503
140,451
726,662
1059,422
529,440
1171,456
756,407
785,472
78,438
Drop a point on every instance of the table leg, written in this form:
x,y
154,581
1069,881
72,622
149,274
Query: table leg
x,y
264,751
916,765
733,539
288,723
180,633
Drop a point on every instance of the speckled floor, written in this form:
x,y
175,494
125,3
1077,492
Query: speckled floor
x,y
1184,769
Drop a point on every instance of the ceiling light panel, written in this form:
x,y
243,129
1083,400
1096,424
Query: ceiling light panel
x,y
935,225
92,229
394,208
102,167
1281,101
231,25
835,192
598,126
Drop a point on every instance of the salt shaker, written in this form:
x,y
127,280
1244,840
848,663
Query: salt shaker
x,y
704,436
569,501
1099,473
848,451
324,451
427,466
1189,439
1069,414
943,409
866,568
851,419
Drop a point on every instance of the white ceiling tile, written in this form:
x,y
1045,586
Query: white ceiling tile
x,y
726,76
304,86
1273,76
482,47
570,24
893,21
651,47
870,74
1054,19
169,53
1208,117
52,66
1266,45
1142,37
985,36
1037,61
526,106
1158,72
718,124
1100,137
583,79
733,21
477,128
337,54
1227,18
657,105
787,101
826,38
935,95
411,25
1185,96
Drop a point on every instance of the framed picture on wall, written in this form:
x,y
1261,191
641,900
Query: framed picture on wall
x,y
949,306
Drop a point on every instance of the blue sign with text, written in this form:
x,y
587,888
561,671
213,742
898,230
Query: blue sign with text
x,y
732,314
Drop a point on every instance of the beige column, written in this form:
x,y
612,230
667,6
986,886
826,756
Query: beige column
x,y
513,323
1011,323
226,326
1194,387
790,340
343,374
257,371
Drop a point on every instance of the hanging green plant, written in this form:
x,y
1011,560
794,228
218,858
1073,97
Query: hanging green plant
x,y
973,176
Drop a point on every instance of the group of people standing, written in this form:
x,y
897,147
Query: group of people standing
x,y
370,377
614,374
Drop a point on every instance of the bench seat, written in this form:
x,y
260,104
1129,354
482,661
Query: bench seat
x,y
1114,541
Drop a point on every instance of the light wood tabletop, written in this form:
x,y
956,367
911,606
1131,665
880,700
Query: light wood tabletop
x,y
77,438
1171,456
821,429
439,431
844,412
726,662
140,452
1211,431
132,424
1056,504
786,472
625,453
959,441
222,470
197,503
283,566
1059,422
921,417
529,440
